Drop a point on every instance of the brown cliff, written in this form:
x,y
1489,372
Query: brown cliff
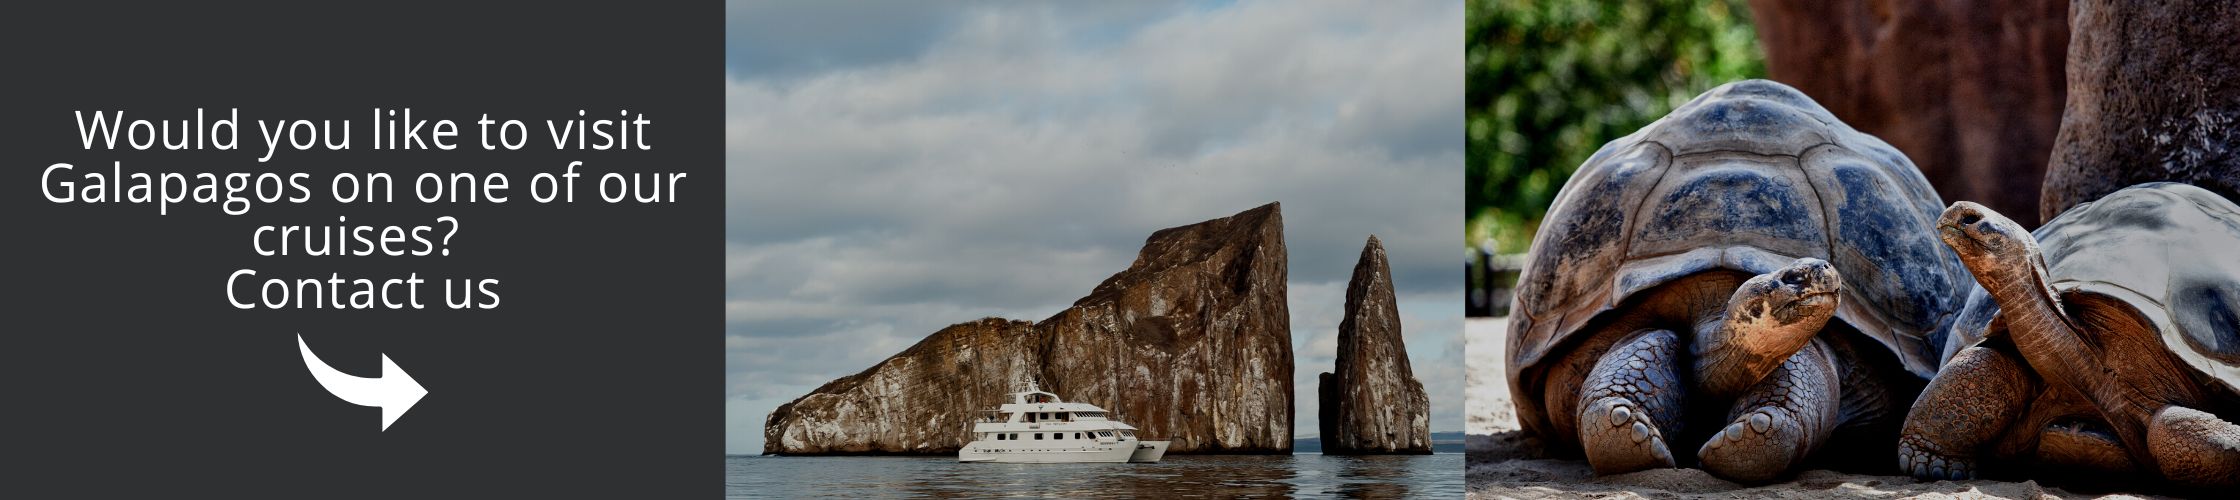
x,y
1191,343
1373,404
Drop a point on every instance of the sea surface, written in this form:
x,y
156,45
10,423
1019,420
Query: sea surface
x,y
1222,476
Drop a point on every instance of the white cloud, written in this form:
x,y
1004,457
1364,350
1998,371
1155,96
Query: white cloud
x,y
1005,164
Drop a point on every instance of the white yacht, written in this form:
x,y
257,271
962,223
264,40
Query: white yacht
x,y
1038,428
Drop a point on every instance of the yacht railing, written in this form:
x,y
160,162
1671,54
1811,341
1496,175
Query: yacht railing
x,y
979,417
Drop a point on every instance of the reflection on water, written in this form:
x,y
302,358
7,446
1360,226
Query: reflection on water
x,y
1310,475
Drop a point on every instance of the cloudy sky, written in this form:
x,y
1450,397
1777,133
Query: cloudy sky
x,y
894,169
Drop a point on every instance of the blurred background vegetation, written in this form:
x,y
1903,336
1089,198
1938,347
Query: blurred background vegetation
x,y
1549,81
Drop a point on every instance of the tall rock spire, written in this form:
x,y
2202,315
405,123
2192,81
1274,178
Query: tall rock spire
x,y
1373,404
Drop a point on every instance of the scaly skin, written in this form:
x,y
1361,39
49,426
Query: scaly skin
x,y
1621,392
1631,399
2124,370
2006,261
1673,306
1985,406
2195,448
1778,421
1973,400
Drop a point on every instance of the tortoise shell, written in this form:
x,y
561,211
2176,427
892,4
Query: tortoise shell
x,y
1749,176
2171,252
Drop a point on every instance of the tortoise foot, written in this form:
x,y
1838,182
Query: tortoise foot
x,y
1778,422
1632,398
1970,404
2195,448
1755,448
1619,438
1921,460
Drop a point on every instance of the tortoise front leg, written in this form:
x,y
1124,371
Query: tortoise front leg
x,y
2195,448
1778,421
1630,402
1974,399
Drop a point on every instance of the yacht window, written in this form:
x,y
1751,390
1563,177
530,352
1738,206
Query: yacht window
x,y
1038,435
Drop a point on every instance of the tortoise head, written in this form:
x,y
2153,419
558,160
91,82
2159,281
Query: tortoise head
x,y
1806,290
1990,244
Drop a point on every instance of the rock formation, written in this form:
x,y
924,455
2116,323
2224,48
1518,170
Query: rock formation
x,y
1970,91
2154,95
1373,404
1191,343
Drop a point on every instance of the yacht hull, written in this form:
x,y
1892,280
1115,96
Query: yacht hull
x,y
1148,451
1112,453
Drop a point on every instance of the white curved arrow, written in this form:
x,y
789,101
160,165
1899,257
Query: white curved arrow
x,y
394,391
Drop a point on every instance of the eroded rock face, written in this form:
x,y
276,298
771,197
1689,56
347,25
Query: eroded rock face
x,y
1191,343
914,402
1970,91
1373,404
2154,95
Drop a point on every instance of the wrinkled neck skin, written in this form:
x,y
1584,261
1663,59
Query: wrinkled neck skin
x,y
1746,341
2056,347
2040,328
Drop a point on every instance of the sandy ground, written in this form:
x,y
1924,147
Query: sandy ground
x,y
1503,463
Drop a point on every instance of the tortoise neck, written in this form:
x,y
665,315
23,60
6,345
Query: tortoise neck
x,y
2064,352
2035,319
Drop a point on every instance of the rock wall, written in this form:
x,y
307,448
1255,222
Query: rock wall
x,y
1971,91
1191,343
1373,404
2154,95
914,402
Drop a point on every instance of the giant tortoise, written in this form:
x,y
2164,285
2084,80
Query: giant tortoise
x,y
2108,341
1697,263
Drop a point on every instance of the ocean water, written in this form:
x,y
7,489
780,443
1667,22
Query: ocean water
x,y
1177,476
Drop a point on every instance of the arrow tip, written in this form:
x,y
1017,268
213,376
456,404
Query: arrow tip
x,y
407,392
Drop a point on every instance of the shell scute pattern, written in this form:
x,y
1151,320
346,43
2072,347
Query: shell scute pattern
x,y
1749,176
2172,252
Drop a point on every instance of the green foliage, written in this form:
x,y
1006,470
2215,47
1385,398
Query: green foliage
x,y
1550,81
